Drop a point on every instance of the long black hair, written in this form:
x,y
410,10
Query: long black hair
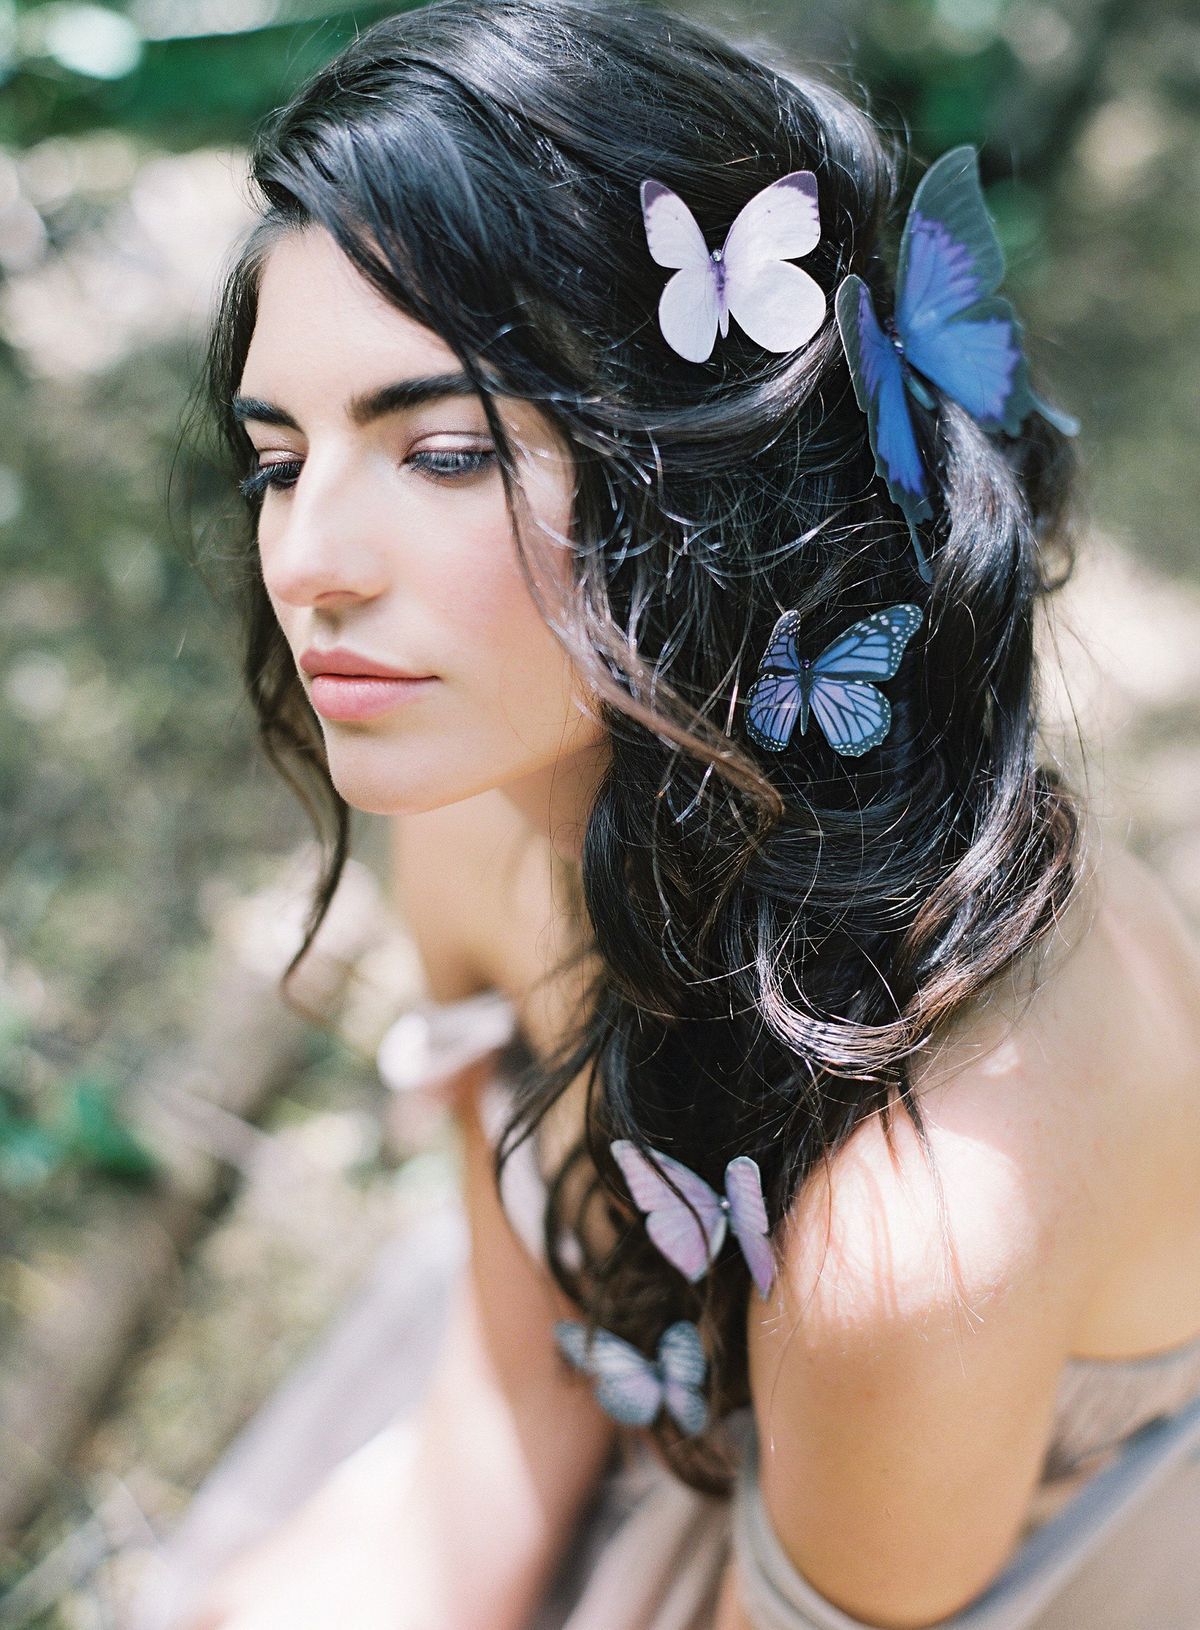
x,y
772,936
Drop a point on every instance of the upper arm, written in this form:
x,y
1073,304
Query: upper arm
x,y
903,1391
501,1382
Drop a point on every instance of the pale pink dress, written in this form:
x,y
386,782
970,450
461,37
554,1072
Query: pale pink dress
x,y
1111,1539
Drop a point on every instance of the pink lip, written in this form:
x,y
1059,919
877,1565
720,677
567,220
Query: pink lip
x,y
345,698
338,660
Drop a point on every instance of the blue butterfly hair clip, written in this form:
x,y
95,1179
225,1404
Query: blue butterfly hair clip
x,y
950,329
633,1389
837,686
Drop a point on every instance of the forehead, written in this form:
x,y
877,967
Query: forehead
x,y
326,340
318,314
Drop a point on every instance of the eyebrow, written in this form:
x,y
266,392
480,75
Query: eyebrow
x,y
398,397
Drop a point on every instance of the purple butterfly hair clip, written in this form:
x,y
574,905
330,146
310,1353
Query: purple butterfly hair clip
x,y
839,687
779,306
689,1245
633,1388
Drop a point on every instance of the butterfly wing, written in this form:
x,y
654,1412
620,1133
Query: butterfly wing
x,y
686,1244
779,223
979,362
950,256
683,1366
688,309
779,306
878,376
748,1218
871,648
673,234
773,704
628,1386
853,716
956,330
689,313
777,699
852,713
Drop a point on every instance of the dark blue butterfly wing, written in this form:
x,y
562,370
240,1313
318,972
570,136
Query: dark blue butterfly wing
x,y
878,376
776,699
852,713
955,329
950,256
871,648
854,717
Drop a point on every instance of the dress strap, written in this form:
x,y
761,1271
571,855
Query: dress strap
x,y
423,1051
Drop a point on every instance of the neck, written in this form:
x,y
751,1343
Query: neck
x,y
556,799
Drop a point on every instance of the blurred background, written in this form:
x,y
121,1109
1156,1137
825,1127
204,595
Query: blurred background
x,y
193,1179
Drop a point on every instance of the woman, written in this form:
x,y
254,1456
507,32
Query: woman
x,y
579,581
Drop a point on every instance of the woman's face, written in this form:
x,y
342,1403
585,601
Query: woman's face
x,y
384,534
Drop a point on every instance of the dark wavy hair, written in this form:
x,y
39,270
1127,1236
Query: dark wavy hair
x,y
771,937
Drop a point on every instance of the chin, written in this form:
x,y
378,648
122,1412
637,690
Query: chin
x,y
379,782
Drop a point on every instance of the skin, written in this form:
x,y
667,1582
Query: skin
x,y
1066,1130
371,550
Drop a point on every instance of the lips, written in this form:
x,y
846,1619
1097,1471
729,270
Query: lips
x,y
339,660
350,698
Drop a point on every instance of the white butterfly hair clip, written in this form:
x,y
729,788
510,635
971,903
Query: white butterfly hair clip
x,y
779,306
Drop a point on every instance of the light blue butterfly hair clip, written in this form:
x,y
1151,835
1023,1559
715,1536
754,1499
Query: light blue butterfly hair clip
x,y
689,1245
950,329
839,687
777,305
632,1388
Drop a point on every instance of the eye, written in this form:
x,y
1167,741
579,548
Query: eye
x,y
446,464
282,474
449,463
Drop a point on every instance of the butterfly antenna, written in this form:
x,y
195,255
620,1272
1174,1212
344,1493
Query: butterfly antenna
x,y
923,566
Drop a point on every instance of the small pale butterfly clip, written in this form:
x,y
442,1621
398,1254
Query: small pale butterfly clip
x,y
778,305
686,1244
632,1388
853,714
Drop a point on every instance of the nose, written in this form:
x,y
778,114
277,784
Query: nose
x,y
318,543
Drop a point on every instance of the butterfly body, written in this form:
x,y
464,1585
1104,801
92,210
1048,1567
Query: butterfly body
x,y
633,1388
950,332
749,277
690,1231
839,686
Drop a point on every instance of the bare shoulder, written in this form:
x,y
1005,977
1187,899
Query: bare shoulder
x,y
1062,1114
924,1307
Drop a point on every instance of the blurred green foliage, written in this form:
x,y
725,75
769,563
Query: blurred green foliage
x,y
59,1128
88,1132
179,73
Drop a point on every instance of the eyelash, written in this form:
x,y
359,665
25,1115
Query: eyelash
x,y
285,473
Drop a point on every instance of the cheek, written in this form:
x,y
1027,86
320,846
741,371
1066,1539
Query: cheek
x,y
499,642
